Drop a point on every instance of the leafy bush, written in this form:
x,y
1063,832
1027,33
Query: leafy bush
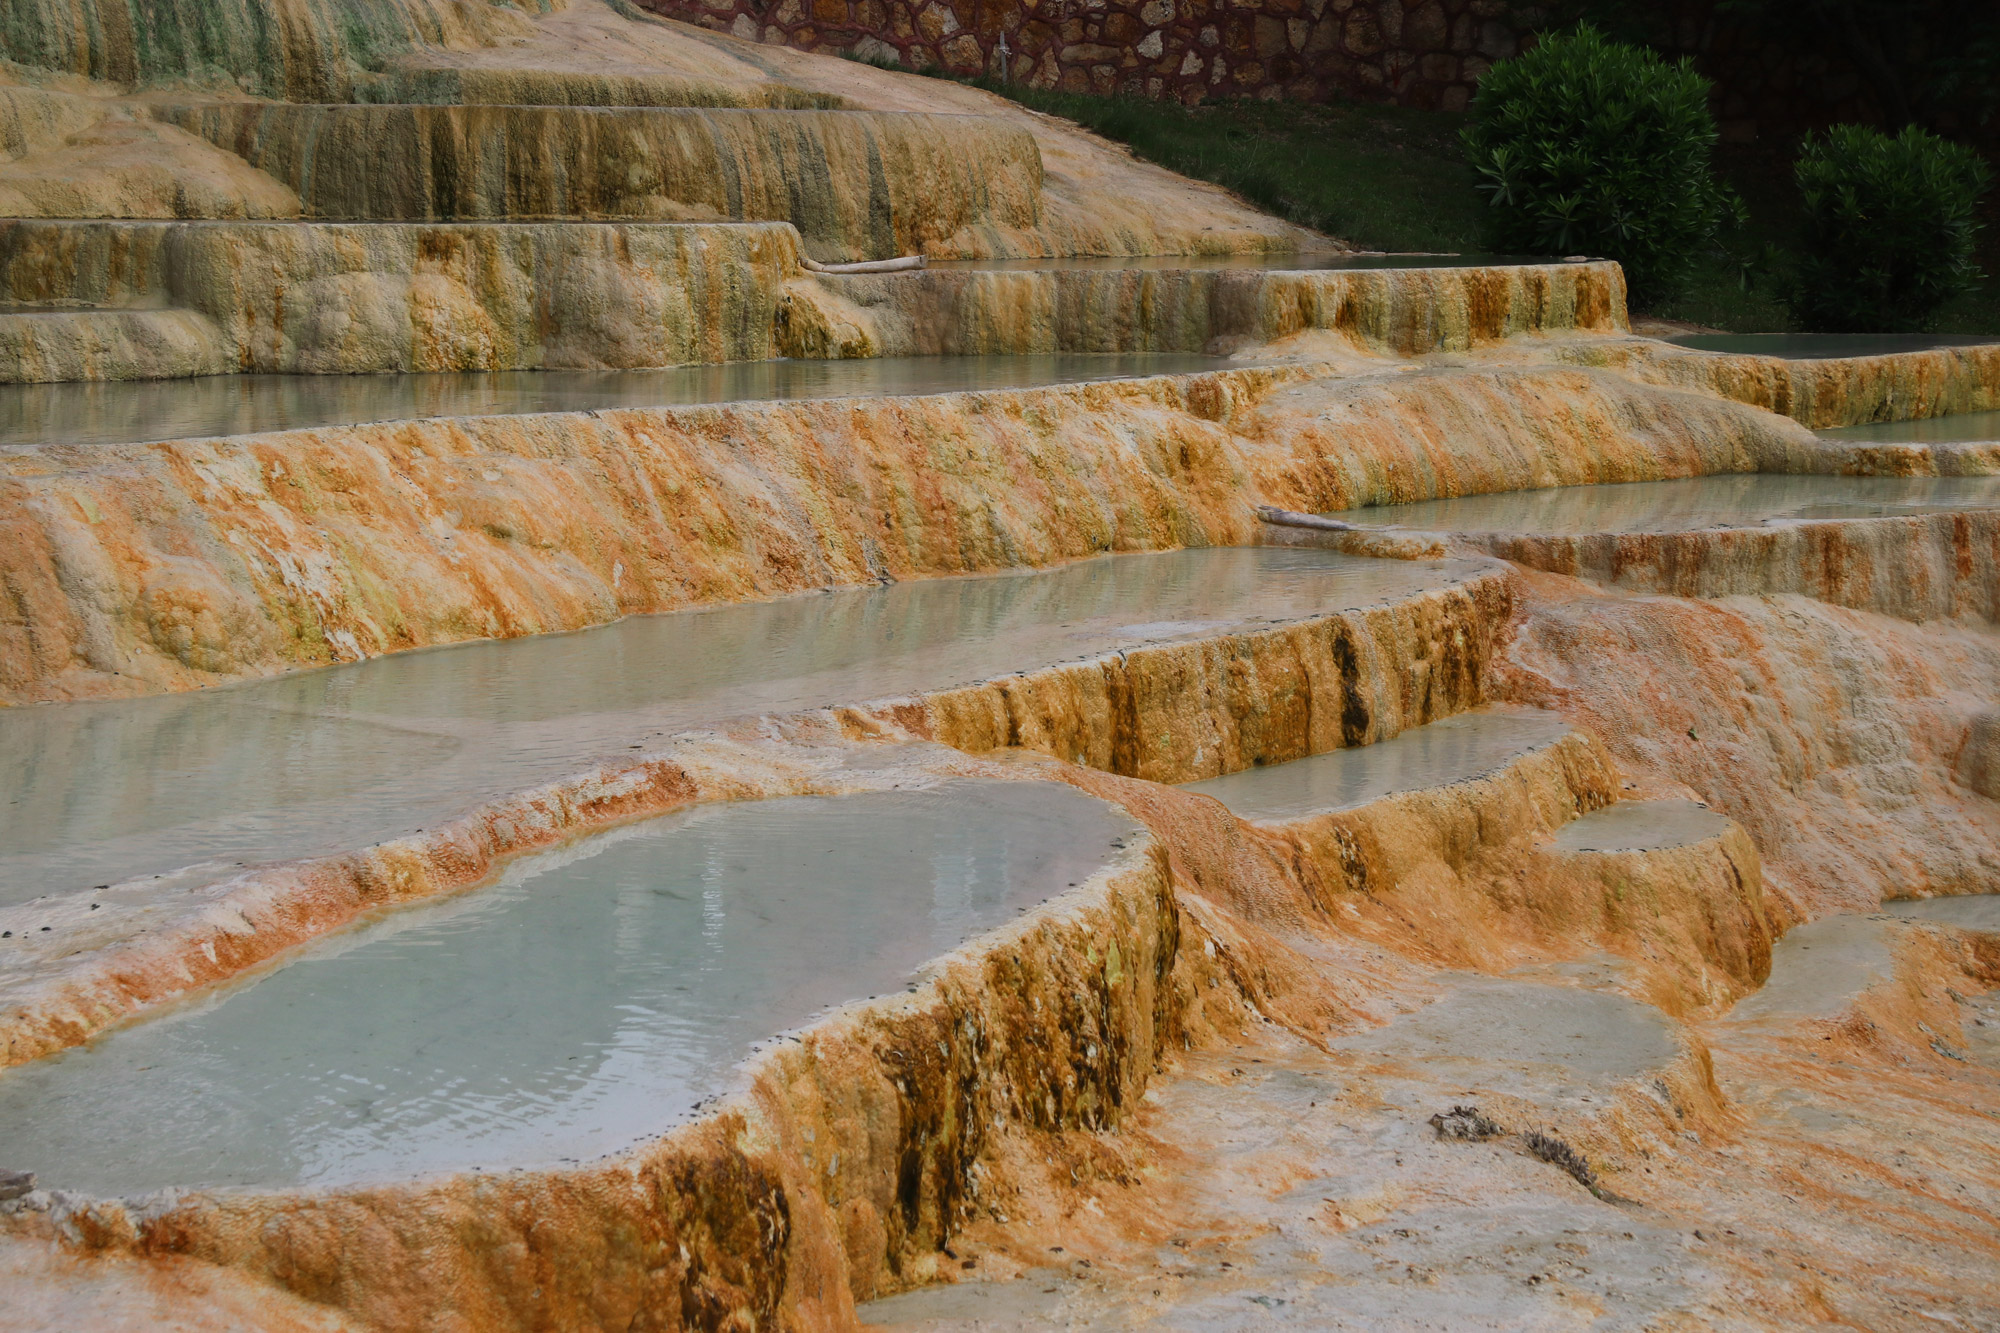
x,y
1887,232
1585,145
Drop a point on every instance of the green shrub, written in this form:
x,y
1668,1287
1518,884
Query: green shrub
x,y
1887,232
1585,145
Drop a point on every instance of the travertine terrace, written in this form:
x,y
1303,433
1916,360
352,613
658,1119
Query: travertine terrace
x,y
1425,809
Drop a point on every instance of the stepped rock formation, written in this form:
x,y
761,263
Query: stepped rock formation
x,y
1831,734
470,113
345,299
856,184
961,312
1834,392
1584,1016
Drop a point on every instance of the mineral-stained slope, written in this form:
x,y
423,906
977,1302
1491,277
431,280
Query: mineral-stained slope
x,y
51,1287
165,566
1833,735
124,165
255,553
1603,1032
1827,1169
352,298
1204,1092
857,184
534,71
1834,392
1915,567
1172,712
1460,426
1605,1010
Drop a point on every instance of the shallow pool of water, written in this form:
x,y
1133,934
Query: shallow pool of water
x,y
1817,969
586,1001
1641,826
328,760
1974,911
134,412
1288,262
1948,429
1825,346
1452,749
1686,505
1526,1037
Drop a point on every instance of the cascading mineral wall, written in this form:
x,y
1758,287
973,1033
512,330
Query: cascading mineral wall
x,y
1411,312
1852,744
1344,442
303,50
857,1153
139,568
1692,917
1842,391
1919,567
139,299
162,566
1171,713
1832,735
1356,679
333,298
857,184
852,1153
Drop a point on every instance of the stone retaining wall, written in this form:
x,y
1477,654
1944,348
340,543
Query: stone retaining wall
x,y
1422,53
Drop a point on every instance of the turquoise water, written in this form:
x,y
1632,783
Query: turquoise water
x,y
587,1001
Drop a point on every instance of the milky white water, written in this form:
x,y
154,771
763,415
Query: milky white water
x,y
588,1000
